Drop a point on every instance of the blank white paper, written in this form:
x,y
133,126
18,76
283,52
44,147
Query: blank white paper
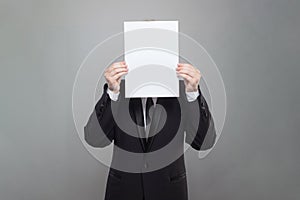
x,y
151,53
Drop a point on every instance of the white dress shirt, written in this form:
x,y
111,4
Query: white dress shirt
x,y
191,96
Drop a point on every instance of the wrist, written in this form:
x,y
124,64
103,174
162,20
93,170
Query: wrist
x,y
115,90
191,89
112,95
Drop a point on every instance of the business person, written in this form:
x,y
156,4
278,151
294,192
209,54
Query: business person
x,y
154,133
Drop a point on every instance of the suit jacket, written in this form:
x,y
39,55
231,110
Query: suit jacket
x,y
158,173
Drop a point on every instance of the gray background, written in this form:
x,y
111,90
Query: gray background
x,y
255,44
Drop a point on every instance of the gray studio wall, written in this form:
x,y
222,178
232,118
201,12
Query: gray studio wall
x,y
255,44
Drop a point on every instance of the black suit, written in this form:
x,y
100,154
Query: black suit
x,y
164,183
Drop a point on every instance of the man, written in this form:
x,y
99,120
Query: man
x,y
188,114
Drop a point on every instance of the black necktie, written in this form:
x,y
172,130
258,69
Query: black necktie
x,y
149,103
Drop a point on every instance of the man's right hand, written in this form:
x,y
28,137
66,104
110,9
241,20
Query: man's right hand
x,y
113,75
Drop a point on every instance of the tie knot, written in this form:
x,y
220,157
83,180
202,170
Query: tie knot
x,y
149,102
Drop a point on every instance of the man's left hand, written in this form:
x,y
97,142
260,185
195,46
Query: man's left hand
x,y
190,75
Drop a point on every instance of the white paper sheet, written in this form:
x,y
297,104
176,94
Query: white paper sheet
x,y
151,53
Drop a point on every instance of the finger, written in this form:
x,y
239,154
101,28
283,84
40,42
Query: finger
x,y
118,79
185,65
120,63
188,67
194,71
185,76
187,72
115,66
117,70
118,75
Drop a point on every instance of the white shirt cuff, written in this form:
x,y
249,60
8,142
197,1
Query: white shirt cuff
x,y
113,96
192,96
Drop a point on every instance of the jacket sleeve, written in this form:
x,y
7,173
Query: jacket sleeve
x,y
199,124
100,128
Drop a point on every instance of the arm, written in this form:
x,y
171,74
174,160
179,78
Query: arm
x,y
100,128
199,124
